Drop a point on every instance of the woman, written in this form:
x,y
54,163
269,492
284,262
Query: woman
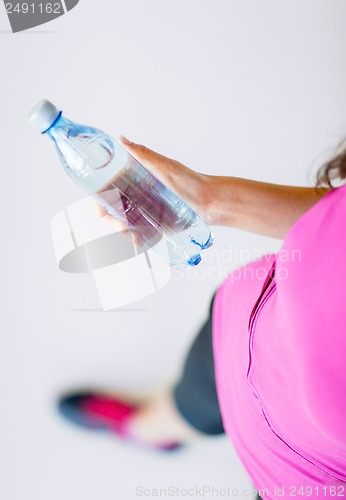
x,y
278,388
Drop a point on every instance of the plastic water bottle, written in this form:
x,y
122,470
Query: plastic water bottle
x,y
126,189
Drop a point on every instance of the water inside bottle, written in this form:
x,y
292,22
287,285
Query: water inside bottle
x,y
130,193
151,208
127,190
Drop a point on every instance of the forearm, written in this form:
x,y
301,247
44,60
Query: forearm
x,y
259,207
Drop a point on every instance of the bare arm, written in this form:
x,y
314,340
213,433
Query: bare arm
x,y
259,207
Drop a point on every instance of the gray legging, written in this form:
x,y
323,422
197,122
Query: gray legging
x,y
195,394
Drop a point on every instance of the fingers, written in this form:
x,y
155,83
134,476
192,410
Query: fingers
x,y
147,157
99,209
119,225
139,151
116,225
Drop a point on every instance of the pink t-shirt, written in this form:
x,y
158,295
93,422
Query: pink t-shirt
x,y
280,358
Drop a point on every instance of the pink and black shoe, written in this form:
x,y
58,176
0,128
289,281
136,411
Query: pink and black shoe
x,y
95,411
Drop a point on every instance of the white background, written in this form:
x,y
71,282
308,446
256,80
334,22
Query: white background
x,y
233,87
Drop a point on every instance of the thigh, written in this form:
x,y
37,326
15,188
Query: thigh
x,y
195,394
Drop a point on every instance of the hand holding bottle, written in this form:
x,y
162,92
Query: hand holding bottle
x,y
190,185
139,189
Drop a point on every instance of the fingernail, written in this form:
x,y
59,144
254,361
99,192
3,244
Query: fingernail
x,y
125,140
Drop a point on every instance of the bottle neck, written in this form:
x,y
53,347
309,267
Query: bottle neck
x,y
85,152
58,118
